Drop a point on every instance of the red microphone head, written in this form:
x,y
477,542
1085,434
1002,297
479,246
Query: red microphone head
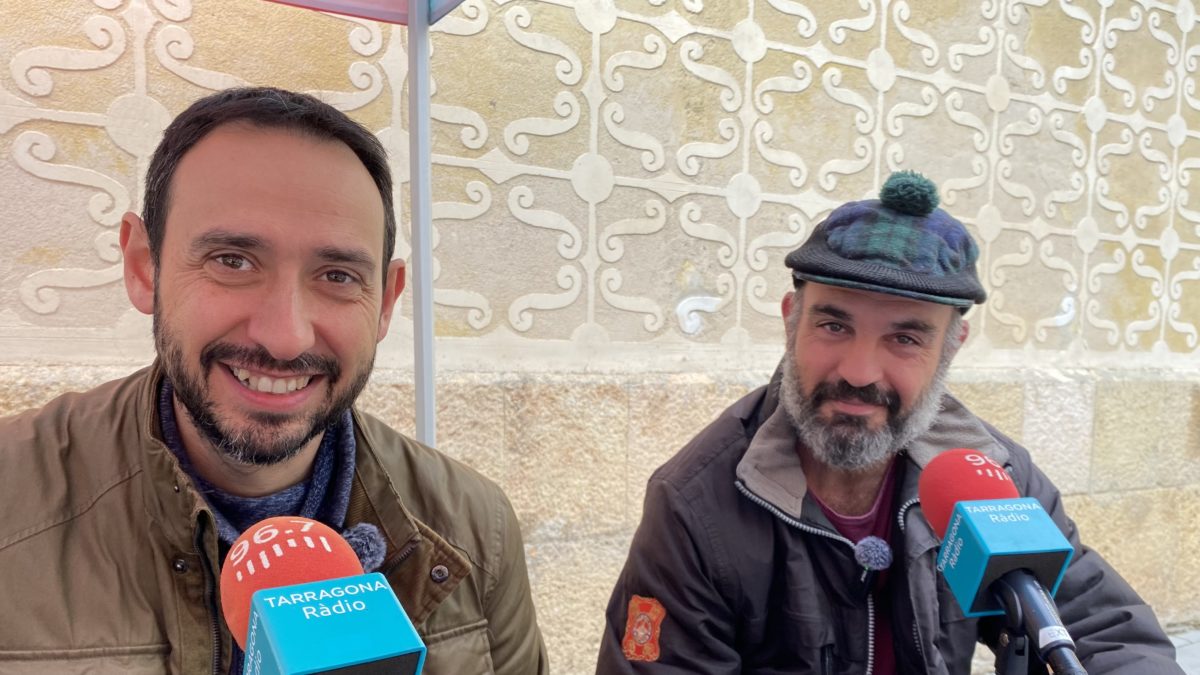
x,y
275,552
960,475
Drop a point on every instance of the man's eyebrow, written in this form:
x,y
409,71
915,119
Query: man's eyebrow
x,y
915,326
832,312
347,256
224,238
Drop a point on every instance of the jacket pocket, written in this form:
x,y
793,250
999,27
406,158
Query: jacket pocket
x,y
792,643
465,650
811,631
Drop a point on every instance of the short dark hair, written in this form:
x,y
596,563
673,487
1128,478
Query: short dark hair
x,y
270,108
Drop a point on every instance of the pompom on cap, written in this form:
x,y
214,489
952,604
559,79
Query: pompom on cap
x,y
909,192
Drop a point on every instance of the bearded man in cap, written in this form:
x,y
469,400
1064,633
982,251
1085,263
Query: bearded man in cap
x,y
745,562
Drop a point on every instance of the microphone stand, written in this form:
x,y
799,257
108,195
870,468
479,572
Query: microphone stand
x,y
1013,658
1014,655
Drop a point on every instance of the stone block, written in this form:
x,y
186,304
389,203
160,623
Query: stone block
x,y
664,415
470,425
1142,435
470,416
1135,533
1058,431
565,451
1185,570
389,400
27,387
572,582
1000,403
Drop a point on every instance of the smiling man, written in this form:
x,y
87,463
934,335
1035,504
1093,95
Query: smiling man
x,y
745,560
264,256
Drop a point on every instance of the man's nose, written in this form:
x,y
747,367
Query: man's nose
x,y
860,365
282,323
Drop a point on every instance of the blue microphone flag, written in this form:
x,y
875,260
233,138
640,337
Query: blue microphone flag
x,y
351,625
987,538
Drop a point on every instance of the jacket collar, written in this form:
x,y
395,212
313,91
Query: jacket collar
x,y
170,498
771,467
955,427
421,565
415,552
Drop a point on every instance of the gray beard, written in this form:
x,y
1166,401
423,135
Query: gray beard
x,y
846,442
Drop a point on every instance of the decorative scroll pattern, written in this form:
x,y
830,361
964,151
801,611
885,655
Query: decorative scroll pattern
x,y
639,169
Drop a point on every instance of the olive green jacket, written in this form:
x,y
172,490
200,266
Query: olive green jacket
x,y
108,555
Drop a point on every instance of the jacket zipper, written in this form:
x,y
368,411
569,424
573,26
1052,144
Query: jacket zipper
x,y
211,600
916,630
917,641
904,512
400,557
774,510
870,634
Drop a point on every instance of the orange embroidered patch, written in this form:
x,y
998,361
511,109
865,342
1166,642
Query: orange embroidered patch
x,y
642,629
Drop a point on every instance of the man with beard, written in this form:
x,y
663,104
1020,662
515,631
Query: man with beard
x,y
745,562
265,257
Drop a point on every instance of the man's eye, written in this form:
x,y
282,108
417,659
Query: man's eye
x,y
834,327
907,340
233,261
339,277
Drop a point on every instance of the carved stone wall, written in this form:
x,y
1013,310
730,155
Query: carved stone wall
x,y
616,184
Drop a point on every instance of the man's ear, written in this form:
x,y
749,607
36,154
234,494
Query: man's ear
x,y
139,266
786,306
392,289
963,332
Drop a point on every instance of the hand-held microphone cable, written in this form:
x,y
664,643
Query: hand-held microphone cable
x,y
999,552
296,600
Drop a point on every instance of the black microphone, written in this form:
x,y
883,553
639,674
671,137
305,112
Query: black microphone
x,y
1027,605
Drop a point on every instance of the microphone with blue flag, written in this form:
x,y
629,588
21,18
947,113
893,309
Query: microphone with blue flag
x,y
297,601
1001,554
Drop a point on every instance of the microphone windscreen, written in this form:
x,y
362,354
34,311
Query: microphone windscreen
x,y
281,551
956,476
368,544
873,553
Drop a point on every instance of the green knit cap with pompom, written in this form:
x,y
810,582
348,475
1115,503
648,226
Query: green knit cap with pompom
x,y
909,192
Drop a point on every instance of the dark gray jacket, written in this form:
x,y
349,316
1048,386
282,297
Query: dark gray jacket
x,y
754,579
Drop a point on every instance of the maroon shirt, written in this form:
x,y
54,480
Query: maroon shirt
x,y
875,522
